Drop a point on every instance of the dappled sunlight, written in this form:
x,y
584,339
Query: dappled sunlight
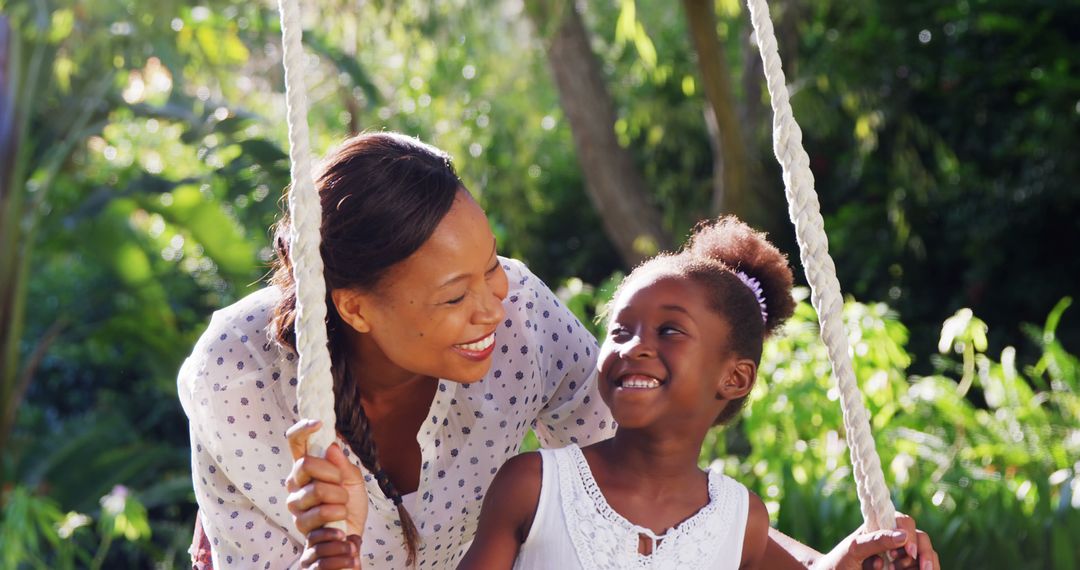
x,y
143,161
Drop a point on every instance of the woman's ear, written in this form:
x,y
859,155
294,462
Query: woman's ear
x,y
738,381
351,306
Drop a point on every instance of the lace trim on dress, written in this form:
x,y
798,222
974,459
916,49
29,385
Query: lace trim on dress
x,y
604,539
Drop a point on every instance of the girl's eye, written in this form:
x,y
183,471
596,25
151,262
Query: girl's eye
x,y
618,331
669,330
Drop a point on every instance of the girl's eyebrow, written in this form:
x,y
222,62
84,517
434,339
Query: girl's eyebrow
x,y
460,276
677,308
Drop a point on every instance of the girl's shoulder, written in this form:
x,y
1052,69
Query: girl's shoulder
x,y
514,493
520,477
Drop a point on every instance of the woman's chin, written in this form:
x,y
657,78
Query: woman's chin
x,y
469,380
469,374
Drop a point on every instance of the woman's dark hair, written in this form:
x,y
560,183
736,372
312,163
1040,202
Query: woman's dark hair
x,y
715,251
382,195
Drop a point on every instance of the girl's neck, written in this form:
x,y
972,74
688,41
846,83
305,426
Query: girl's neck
x,y
646,457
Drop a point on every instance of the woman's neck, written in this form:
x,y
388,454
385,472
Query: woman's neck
x,y
382,383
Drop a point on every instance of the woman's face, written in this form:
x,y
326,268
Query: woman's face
x,y
435,313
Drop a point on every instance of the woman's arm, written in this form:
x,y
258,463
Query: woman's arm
x,y
241,534
507,515
230,392
565,352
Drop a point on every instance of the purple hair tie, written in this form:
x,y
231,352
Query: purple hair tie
x,y
755,287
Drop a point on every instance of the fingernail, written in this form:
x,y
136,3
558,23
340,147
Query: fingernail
x,y
898,535
926,565
912,550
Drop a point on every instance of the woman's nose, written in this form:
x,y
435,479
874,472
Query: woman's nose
x,y
490,311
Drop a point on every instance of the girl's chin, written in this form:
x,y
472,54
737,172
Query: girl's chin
x,y
632,418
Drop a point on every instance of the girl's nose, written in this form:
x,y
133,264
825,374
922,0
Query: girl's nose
x,y
638,347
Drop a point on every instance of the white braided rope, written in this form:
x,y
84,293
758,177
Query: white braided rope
x,y
805,213
315,388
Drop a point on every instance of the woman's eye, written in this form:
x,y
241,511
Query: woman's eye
x,y
456,300
494,268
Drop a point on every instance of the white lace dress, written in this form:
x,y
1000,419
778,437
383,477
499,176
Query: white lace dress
x,y
576,529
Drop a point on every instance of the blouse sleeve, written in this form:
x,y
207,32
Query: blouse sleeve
x,y
572,410
230,390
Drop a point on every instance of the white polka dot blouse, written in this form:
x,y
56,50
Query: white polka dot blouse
x,y
238,389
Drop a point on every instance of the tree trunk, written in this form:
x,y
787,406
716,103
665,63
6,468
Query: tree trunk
x,y
613,182
752,111
732,192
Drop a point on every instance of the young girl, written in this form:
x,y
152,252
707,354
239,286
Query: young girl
x,y
684,340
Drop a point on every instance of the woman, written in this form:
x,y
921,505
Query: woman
x,y
443,356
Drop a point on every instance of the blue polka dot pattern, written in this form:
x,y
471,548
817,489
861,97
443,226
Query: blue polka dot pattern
x,y
238,390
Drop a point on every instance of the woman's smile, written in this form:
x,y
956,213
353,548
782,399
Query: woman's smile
x,y
479,349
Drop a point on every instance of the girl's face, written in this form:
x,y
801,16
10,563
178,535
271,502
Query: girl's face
x,y
435,313
666,360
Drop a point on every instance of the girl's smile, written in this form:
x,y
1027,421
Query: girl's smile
x,y
637,382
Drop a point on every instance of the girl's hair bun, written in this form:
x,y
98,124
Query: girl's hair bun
x,y
731,242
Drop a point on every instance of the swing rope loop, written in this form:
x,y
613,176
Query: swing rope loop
x,y
805,212
315,388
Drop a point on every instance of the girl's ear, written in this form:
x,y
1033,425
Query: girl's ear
x,y
352,307
738,381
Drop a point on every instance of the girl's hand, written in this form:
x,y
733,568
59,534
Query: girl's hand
x,y
322,491
328,549
909,547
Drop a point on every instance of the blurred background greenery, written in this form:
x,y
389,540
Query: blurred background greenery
x,y
142,160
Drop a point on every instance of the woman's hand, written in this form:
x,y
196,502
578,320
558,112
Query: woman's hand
x,y
908,546
321,490
328,549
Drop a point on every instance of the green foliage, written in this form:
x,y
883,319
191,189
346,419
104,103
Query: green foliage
x,y
942,137
35,533
1012,460
153,158
589,302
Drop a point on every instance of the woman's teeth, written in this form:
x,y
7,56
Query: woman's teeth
x,y
640,382
482,344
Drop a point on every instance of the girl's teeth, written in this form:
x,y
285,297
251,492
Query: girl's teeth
x,y
482,344
640,383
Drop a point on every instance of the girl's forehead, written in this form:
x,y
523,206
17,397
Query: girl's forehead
x,y
663,286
